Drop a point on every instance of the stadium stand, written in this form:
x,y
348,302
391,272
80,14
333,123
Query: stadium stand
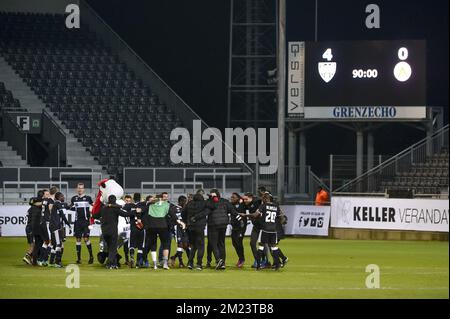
x,y
115,116
427,177
6,98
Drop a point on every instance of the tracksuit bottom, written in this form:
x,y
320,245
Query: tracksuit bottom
x,y
237,238
216,235
197,241
111,242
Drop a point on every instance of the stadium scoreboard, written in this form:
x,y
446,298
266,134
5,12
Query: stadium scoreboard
x,y
365,80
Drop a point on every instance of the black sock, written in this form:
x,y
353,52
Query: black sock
x,y
188,252
62,251
58,256
180,256
40,255
139,256
280,253
89,247
79,252
52,256
47,253
125,251
132,254
260,257
43,254
276,257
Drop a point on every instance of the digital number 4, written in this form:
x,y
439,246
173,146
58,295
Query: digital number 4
x,y
327,55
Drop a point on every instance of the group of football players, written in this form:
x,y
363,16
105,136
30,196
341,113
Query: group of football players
x,y
136,224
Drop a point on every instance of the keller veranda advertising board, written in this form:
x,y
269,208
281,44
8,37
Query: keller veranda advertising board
x,y
389,213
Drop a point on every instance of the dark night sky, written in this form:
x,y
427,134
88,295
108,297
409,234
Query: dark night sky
x,y
186,43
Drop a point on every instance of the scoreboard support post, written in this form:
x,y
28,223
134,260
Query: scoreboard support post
x,y
292,145
281,71
359,149
370,151
302,159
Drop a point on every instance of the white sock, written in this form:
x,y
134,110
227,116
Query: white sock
x,y
153,253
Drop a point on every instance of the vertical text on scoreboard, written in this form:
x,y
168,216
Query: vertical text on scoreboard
x,y
296,85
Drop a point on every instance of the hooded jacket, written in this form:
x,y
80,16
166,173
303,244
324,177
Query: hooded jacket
x,y
218,212
198,210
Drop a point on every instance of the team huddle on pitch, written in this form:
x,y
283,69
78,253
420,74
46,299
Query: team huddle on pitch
x,y
136,225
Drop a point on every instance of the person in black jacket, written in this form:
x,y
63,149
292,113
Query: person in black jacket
x,y
57,221
280,222
142,207
136,229
28,258
35,214
109,216
195,213
268,212
250,205
239,228
47,204
218,220
180,233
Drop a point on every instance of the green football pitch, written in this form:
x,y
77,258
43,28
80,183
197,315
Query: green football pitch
x,y
317,268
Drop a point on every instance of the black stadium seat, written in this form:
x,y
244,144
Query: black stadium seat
x,y
89,88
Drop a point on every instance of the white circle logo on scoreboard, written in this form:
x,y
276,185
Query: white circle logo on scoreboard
x,y
402,71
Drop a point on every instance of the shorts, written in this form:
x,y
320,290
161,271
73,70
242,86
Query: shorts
x,y
81,228
182,236
136,239
45,231
29,233
151,238
270,238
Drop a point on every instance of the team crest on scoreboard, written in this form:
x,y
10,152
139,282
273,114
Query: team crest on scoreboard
x,y
327,70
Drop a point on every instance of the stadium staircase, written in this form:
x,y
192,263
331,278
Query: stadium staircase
x,y
421,169
9,157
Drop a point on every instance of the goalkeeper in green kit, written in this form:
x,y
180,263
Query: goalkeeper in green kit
x,y
155,223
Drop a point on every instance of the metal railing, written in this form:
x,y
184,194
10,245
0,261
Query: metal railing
x,y
91,174
223,175
342,168
315,182
298,182
133,176
171,186
401,162
21,190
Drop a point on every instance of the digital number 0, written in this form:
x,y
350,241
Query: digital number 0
x,y
403,53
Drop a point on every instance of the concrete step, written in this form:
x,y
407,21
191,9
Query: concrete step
x,y
13,156
13,163
6,148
